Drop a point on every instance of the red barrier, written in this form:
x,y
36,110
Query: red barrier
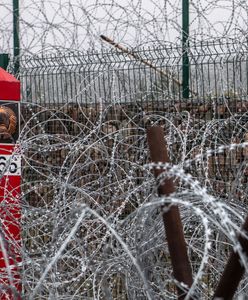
x,y
10,180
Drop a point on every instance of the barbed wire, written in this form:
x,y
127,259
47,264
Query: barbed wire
x,y
91,222
78,24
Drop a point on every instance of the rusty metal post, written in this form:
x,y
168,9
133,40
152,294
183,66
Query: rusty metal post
x,y
171,218
233,271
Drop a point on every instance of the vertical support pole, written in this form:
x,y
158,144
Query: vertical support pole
x,y
234,270
16,39
171,217
4,60
185,47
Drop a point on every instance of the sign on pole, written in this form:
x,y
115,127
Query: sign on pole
x,y
10,181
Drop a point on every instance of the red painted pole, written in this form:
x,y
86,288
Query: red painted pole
x,y
171,218
10,181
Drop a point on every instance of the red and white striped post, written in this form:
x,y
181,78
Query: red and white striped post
x,y
10,181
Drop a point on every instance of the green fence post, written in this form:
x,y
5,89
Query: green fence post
x,y
185,46
16,39
4,60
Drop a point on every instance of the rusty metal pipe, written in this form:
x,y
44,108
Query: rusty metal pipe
x,y
171,218
233,271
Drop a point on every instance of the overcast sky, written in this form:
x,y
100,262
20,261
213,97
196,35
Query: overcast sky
x,y
77,24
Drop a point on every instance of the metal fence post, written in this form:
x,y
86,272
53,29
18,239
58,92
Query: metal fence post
x,y
16,38
4,60
185,46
